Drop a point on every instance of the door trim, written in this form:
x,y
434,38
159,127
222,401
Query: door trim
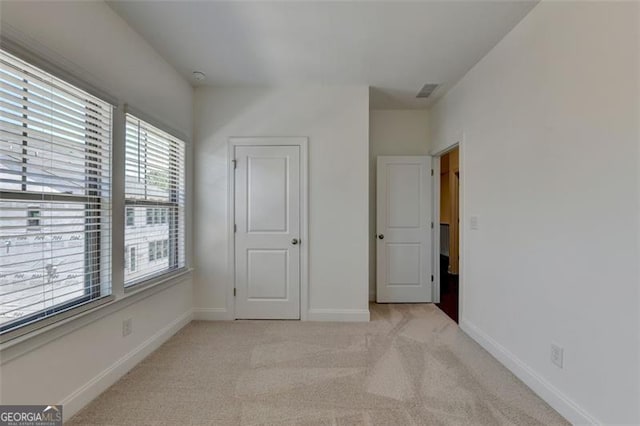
x,y
303,143
458,142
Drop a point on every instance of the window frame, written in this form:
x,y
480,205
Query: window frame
x,y
154,215
22,339
93,196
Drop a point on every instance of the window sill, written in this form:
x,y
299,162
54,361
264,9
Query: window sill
x,y
154,280
28,342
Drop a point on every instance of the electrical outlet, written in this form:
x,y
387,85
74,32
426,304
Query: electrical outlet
x,y
557,355
127,327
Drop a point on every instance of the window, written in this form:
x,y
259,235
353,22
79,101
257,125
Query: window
x,y
33,218
131,216
130,261
158,250
154,184
152,251
55,143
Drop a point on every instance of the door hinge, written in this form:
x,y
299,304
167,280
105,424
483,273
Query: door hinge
x,y
234,291
431,279
431,225
235,228
431,172
235,164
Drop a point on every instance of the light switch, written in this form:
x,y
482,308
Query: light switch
x,y
474,222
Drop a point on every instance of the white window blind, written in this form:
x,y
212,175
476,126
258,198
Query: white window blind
x,y
155,200
55,223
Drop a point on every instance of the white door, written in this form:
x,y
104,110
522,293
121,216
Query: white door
x,y
404,216
267,237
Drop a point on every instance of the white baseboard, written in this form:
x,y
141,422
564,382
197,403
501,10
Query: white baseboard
x,y
342,315
564,405
94,387
211,314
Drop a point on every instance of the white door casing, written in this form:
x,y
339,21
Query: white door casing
x,y
404,221
267,231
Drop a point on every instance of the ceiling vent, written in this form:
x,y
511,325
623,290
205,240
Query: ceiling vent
x,y
426,90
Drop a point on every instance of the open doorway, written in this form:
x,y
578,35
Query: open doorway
x,y
449,244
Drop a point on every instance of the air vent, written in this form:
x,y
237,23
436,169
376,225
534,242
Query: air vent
x,y
426,90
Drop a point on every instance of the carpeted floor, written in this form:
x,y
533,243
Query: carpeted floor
x,y
411,365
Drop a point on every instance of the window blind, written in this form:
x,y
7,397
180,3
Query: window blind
x,y
55,224
155,202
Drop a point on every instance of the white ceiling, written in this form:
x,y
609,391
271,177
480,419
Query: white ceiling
x,y
395,47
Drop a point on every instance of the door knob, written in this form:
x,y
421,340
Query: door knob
x,y
294,241
381,236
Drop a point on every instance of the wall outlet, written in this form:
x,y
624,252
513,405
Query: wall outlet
x,y
127,327
557,355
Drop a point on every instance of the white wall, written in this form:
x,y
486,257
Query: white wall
x,y
93,42
550,166
89,40
335,119
75,368
391,132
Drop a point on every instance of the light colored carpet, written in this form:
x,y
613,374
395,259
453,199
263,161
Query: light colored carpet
x,y
411,365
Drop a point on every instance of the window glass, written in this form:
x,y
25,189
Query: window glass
x,y
154,182
55,171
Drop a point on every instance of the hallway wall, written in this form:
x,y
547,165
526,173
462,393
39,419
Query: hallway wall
x,y
391,132
549,121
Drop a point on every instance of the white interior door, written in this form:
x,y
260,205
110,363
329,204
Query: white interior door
x,y
404,216
267,237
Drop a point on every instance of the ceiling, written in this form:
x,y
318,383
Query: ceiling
x,y
395,47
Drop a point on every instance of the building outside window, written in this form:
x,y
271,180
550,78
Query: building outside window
x,y
154,189
55,142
